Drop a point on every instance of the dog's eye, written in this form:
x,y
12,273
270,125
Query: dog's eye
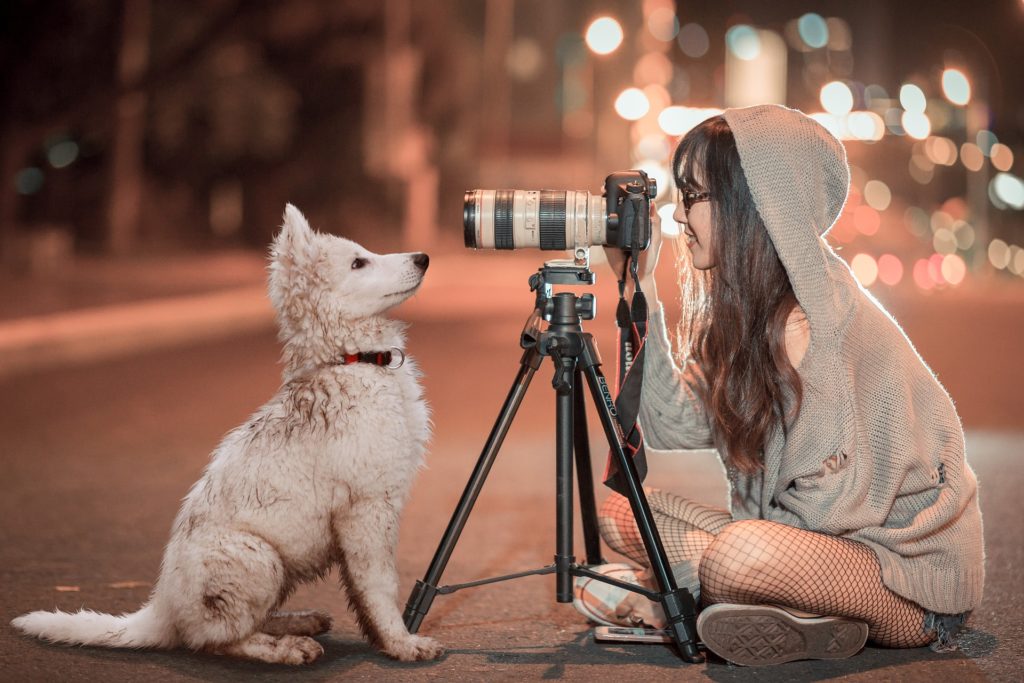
x,y
358,263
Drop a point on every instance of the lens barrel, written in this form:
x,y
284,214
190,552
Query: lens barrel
x,y
540,219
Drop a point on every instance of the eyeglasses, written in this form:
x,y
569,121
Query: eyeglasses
x,y
690,198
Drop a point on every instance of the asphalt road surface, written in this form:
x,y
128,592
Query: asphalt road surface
x,y
95,460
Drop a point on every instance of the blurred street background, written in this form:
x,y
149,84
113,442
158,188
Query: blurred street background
x,y
147,150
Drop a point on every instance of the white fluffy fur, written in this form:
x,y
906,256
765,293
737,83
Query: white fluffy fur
x,y
316,478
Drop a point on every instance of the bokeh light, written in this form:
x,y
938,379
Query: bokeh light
x,y
865,269
662,24
956,87
940,150
986,139
604,35
813,30
743,41
917,125
693,40
953,269
964,233
922,277
866,125
62,154
836,98
971,156
912,98
998,253
632,104
940,220
1016,264
956,207
877,194
1002,157
890,269
943,241
1009,189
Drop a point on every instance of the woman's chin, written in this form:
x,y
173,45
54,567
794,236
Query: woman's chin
x,y
699,259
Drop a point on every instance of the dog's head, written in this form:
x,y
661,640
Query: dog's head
x,y
318,280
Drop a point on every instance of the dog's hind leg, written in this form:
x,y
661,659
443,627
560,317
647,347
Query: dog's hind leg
x,y
304,623
367,536
221,587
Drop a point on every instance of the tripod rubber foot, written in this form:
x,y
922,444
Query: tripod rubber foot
x,y
682,623
691,654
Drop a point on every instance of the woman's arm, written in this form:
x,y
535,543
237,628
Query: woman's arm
x,y
671,415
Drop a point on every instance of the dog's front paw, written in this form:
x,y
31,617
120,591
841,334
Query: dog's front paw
x,y
414,649
298,650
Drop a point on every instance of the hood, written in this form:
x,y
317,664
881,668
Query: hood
x,y
799,178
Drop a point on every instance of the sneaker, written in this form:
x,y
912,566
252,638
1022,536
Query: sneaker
x,y
759,635
609,605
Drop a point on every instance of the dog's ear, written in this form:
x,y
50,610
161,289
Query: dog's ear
x,y
296,243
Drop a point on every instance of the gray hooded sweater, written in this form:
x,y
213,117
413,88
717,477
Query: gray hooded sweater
x,y
876,453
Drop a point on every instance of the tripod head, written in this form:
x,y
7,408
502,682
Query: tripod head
x,y
564,310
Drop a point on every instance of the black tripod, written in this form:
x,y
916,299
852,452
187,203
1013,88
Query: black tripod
x,y
575,356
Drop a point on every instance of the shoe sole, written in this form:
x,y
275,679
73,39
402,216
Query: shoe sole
x,y
756,635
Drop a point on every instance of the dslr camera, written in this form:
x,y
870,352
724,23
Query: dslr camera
x,y
563,219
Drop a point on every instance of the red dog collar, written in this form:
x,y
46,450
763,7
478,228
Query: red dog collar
x,y
381,358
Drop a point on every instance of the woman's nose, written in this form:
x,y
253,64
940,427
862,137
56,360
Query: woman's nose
x,y
679,215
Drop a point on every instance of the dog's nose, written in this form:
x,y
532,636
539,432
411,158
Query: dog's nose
x,y
421,261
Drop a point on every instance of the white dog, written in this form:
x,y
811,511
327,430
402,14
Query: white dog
x,y
317,477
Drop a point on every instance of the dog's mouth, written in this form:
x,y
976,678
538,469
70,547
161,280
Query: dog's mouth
x,y
405,291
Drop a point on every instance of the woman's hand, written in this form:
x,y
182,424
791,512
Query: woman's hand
x,y
647,260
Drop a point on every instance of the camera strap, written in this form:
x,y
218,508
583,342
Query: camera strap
x,y
631,320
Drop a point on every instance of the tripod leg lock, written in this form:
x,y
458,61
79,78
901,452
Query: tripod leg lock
x,y
681,613
564,565
418,605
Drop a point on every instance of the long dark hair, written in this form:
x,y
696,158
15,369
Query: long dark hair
x,y
734,315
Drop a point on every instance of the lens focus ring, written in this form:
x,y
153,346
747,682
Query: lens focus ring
x,y
552,219
503,219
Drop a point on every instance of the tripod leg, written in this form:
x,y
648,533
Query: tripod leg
x,y
680,610
584,475
423,593
564,437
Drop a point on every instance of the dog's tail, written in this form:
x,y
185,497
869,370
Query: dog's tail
x,y
140,629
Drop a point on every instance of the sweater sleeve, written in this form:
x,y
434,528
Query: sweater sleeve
x,y
671,415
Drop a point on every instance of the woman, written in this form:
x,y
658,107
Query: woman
x,y
850,495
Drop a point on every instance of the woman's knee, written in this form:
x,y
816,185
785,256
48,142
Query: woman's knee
x,y
741,552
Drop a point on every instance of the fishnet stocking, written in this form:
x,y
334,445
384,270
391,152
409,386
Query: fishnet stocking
x,y
757,561
686,528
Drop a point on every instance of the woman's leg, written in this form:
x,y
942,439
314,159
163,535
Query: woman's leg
x,y
757,561
686,528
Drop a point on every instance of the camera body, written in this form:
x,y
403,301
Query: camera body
x,y
563,219
628,196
